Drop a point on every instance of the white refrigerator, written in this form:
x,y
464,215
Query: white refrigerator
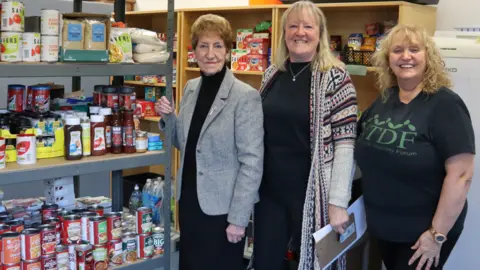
x,y
461,52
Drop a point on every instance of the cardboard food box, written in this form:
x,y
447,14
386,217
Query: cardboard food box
x,y
239,60
258,46
257,62
242,35
72,50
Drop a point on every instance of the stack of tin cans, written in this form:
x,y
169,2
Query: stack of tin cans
x,y
50,29
12,28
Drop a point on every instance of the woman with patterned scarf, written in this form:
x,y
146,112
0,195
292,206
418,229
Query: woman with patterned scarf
x,y
310,115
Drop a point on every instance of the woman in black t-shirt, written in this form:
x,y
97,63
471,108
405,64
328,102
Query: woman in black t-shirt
x,y
415,148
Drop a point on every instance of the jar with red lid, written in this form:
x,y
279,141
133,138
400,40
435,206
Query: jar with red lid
x,y
97,94
127,98
110,97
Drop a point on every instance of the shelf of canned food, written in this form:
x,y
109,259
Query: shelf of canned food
x,y
59,167
82,238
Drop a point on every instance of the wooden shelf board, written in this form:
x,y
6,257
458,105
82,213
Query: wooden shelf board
x,y
257,73
147,84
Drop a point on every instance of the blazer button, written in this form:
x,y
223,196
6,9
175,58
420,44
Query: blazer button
x,y
200,173
198,151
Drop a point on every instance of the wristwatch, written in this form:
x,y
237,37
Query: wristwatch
x,y
438,237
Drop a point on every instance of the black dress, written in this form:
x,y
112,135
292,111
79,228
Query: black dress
x,y
203,242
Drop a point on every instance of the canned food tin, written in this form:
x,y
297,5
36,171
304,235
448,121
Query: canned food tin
x,y
100,257
62,257
41,98
158,241
13,16
114,225
49,262
129,248
31,244
4,228
49,49
49,22
3,148
77,211
85,220
145,246
32,264
49,211
96,208
84,257
11,46
127,98
115,252
11,248
97,230
31,47
144,220
16,225
72,255
15,266
58,227
48,237
16,97
26,149
72,229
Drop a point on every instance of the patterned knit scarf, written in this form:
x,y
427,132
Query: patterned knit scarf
x,y
315,209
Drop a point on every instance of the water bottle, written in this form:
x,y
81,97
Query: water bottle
x,y
135,200
145,191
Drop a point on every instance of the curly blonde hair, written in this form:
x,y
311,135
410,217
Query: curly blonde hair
x,y
211,23
324,57
435,75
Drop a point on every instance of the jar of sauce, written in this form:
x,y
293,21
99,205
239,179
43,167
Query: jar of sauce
x,y
97,95
117,137
110,97
127,98
141,142
128,132
107,114
73,139
97,135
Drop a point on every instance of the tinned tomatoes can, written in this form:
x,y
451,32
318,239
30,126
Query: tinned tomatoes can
x,y
144,220
32,264
145,246
114,225
96,208
97,230
85,219
16,97
31,47
11,248
62,257
84,255
31,244
26,149
48,237
41,98
13,16
100,257
115,252
49,262
49,211
72,229
16,225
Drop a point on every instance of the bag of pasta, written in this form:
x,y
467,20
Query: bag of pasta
x,y
120,48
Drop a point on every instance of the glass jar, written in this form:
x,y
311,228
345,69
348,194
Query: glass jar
x,y
110,97
127,98
141,142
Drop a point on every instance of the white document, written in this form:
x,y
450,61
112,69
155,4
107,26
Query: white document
x,y
358,210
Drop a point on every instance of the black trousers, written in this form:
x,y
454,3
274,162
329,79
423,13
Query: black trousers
x,y
277,223
203,242
395,256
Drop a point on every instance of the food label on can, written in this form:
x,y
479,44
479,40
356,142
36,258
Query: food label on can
x,y
50,263
98,140
15,100
49,241
73,232
11,47
26,150
13,16
31,47
115,253
32,265
158,242
145,223
98,232
129,248
100,257
49,22
146,246
31,247
11,250
72,257
63,260
75,147
41,101
49,49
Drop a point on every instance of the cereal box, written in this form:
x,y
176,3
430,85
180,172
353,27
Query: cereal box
x,y
258,46
243,34
257,62
239,60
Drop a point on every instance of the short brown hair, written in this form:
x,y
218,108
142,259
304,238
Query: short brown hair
x,y
435,75
210,23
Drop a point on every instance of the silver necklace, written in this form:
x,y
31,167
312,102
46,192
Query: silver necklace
x,y
294,76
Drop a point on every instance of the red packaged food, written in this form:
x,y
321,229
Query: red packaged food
x,y
145,108
16,97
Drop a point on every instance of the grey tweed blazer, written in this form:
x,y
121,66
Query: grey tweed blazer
x,y
230,148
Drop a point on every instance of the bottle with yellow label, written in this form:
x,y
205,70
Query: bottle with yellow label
x,y
86,136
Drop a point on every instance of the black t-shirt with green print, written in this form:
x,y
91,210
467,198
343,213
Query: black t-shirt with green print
x,y
401,150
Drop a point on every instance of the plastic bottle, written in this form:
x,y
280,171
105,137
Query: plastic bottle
x,y
117,139
146,188
107,114
85,123
135,200
156,201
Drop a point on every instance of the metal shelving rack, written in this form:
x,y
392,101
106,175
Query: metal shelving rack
x,y
58,167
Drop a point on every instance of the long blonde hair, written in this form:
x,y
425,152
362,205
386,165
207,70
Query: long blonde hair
x,y
435,75
324,57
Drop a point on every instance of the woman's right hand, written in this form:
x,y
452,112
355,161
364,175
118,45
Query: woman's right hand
x,y
163,107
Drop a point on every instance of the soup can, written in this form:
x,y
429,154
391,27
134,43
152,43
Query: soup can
x,y
13,16
11,248
26,149
32,264
144,220
84,256
115,252
49,22
72,255
48,237
49,49
49,211
31,244
55,221
114,225
62,257
100,256
145,246
31,47
11,47
3,148
129,248
85,220
49,262
158,240
72,229
97,230
16,225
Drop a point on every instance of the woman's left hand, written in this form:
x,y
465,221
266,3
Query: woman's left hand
x,y
235,233
427,250
338,218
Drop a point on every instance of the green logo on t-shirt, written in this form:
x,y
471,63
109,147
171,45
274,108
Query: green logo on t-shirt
x,y
384,134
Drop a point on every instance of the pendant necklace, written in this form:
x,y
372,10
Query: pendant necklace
x,y
294,76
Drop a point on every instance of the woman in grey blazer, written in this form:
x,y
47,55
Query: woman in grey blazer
x,y
219,131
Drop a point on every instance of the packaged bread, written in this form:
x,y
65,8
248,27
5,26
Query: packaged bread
x,y
73,34
95,35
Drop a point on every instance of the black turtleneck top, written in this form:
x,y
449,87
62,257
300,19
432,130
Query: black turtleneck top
x,y
207,93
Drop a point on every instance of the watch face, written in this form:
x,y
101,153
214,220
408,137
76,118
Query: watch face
x,y
440,238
